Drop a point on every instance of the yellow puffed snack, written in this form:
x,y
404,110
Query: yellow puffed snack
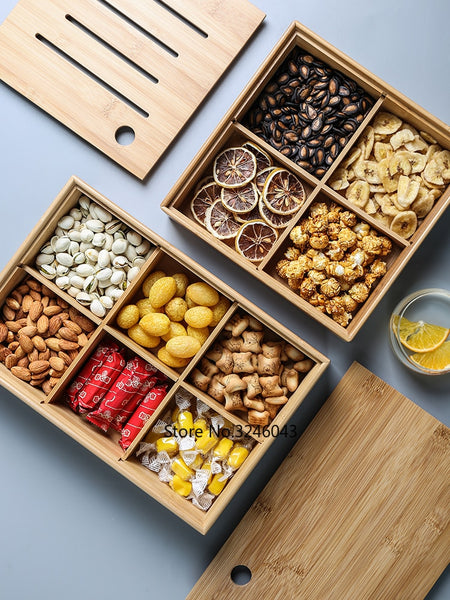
x,y
167,444
162,291
137,334
202,293
175,309
185,420
183,346
223,448
206,442
217,484
181,469
145,307
150,280
180,486
199,334
219,310
155,324
171,361
237,456
128,316
174,330
198,316
182,281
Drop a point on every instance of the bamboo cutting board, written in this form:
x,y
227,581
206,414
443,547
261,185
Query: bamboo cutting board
x,y
359,509
103,67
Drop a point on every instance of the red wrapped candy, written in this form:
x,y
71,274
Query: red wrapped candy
x,y
121,393
102,380
87,372
143,412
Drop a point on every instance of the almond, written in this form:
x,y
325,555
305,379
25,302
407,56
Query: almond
x,y
53,381
12,303
13,345
10,337
37,382
53,343
23,289
8,313
21,373
68,334
36,310
45,301
35,295
34,355
86,325
54,325
39,343
42,324
26,343
29,330
14,326
73,326
53,310
57,363
20,352
56,374
27,302
67,345
34,285
73,354
4,353
17,296
38,366
23,362
46,387
11,361
82,340
47,292
45,355
4,332
65,357
62,303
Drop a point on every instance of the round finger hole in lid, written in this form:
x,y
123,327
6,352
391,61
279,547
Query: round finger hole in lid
x,y
240,575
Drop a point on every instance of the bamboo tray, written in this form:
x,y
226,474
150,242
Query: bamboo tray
x,y
106,68
232,130
52,408
359,508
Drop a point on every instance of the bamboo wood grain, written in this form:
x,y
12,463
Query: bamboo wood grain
x,y
360,508
164,256
97,66
176,204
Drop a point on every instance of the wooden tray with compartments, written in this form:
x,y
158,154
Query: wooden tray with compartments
x,y
162,256
235,129
119,70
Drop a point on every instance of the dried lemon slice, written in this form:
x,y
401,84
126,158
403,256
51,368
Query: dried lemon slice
x,y
283,192
203,199
255,239
271,218
221,222
240,200
253,215
436,360
261,178
263,160
234,167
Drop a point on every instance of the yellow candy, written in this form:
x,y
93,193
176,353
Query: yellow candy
x,y
217,484
180,486
145,307
185,420
223,448
128,316
199,334
167,444
206,442
237,456
156,324
151,437
142,338
150,280
198,316
201,424
207,467
175,309
174,330
162,291
203,294
175,413
170,360
197,462
181,469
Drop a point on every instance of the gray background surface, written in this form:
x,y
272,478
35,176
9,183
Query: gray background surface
x,y
70,527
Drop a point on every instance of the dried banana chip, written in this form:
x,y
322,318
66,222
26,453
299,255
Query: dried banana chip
x,y
386,123
427,137
358,193
366,142
418,144
423,203
367,171
389,182
433,173
387,206
371,206
401,138
381,151
432,151
353,155
400,164
407,191
340,180
405,223
382,218
442,160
